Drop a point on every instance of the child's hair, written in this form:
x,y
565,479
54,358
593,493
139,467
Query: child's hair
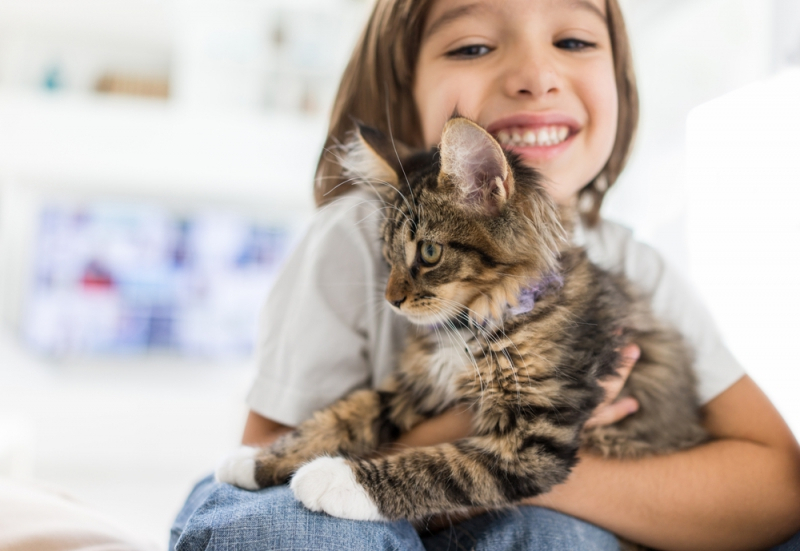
x,y
376,89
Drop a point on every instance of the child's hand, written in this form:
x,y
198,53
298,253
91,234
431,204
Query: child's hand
x,y
611,411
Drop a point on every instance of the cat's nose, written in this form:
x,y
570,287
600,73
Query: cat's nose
x,y
397,288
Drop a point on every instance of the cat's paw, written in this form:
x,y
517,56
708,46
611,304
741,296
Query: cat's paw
x,y
328,484
239,468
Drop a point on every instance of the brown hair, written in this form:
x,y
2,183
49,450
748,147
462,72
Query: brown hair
x,y
376,89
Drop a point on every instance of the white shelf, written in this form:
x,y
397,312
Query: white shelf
x,y
141,21
137,147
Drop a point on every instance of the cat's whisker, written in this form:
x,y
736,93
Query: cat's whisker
x,y
394,146
387,204
455,309
379,199
345,182
492,338
345,149
381,210
445,317
452,330
370,182
335,204
367,179
474,361
351,207
446,323
449,330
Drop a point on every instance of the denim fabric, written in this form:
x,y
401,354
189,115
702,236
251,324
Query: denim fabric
x,y
522,529
221,517
791,545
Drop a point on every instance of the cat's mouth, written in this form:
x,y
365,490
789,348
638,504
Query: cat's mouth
x,y
424,319
430,316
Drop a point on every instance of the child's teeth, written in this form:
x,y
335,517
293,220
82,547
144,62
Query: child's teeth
x,y
545,136
529,137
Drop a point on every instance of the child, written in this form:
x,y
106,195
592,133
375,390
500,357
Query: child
x,y
552,80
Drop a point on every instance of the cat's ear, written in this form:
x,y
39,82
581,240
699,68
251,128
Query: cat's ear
x,y
474,162
372,158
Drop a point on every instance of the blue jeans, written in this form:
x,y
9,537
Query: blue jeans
x,y
220,517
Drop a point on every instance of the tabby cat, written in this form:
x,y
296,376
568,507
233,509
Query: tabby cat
x,y
512,321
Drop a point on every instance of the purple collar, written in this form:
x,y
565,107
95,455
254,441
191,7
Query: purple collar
x,y
527,300
530,294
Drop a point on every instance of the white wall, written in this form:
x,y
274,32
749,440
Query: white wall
x,y
744,227
720,207
685,53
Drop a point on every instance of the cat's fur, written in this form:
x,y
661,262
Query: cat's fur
x,y
529,375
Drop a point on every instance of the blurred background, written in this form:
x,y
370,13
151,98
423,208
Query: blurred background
x,y
156,161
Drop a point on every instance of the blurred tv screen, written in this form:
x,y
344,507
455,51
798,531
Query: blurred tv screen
x,y
117,278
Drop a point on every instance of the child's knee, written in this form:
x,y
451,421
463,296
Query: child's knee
x,y
272,519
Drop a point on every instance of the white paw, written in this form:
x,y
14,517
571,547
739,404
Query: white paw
x,y
328,484
239,468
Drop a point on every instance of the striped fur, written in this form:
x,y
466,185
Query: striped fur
x,y
530,379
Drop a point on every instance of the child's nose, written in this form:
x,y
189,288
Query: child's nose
x,y
531,74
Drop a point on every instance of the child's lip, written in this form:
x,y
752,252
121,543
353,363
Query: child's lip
x,y
540,154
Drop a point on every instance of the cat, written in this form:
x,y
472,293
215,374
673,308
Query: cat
x,y
512,321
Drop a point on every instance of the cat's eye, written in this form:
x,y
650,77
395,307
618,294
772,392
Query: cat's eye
x,y
429,253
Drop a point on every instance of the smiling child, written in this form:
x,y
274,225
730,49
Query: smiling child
x,y
552,80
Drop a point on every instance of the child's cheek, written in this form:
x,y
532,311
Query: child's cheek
x,y
604,113
438,96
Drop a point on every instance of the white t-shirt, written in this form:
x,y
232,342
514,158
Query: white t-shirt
x,y
327,330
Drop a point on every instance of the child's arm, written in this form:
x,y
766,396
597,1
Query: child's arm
x,y
260,431
741,491
324,330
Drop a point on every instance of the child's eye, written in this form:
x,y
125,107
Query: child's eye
x,y
472,50
574,44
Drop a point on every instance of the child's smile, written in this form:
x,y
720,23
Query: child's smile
x,y
538,74
536,137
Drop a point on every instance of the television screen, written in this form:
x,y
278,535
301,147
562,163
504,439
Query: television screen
x,y
125,278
